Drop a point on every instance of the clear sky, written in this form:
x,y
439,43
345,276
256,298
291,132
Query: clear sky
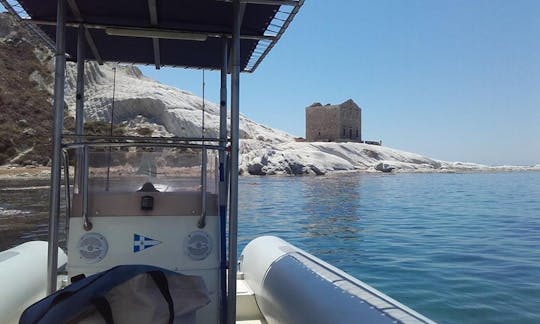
x,y
457,80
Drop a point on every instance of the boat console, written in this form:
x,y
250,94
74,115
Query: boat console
x,y
151,206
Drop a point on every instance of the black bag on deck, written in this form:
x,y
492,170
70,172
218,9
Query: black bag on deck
x,y
123,294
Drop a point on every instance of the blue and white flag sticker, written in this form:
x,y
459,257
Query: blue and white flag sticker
x,y
141,242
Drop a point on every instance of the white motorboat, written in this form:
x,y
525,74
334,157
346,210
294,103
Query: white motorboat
x,y
171,204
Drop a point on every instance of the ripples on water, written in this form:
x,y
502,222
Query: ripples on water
x,y
458,248
24,212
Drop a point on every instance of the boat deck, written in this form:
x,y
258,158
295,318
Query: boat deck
x,y
247,311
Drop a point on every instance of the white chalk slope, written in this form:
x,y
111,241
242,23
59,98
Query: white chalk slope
x,y
143,102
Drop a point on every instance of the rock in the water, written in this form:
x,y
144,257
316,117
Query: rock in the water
x,y
384,167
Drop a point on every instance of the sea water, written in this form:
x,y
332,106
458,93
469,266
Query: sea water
x,y
458,248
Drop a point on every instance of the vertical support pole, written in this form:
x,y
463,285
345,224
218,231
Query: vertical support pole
x,y
204,166
235,132
79,113
79,104
223,192
204,186
56,167
87,224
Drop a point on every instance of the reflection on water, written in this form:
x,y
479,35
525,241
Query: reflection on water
x,y
458,248
328,216
24,212
312,207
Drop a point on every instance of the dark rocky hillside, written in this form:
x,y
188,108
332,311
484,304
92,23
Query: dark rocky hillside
x,y
25,99
26,80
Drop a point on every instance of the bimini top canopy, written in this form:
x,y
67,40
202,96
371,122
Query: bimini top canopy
x,y
183,33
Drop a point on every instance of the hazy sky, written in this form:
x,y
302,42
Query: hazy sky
x,y
456,80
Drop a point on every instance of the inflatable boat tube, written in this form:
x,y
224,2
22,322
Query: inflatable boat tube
x,y
293,286
23,278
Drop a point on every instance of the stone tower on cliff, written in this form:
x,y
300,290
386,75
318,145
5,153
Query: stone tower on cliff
x,y
334,123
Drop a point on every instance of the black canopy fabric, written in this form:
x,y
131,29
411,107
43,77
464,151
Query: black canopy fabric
x,y
204,17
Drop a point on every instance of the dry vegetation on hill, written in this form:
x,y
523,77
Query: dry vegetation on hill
x,y
25,108
26,100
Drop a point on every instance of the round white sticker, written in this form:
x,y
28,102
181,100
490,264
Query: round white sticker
x,y
198,245
92,247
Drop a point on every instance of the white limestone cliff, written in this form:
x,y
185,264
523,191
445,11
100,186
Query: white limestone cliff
x,y
179,112
142,102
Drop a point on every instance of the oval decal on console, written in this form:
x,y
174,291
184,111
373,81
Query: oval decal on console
x,y
198,245
92,247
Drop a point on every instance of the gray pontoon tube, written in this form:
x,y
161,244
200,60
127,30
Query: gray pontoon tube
x,y
293,286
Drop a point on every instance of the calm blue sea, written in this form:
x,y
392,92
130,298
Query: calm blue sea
x,y
458,248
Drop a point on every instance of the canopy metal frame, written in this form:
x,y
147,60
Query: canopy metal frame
x,y
228,148
257,49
